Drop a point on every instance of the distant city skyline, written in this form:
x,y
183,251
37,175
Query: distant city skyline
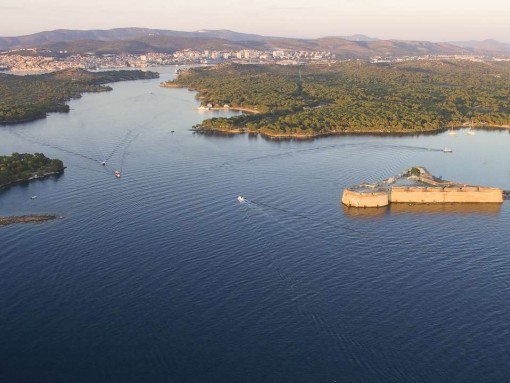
x,y
434,20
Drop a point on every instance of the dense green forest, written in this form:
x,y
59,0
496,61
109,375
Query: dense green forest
x,y
354,96
29,97
23,167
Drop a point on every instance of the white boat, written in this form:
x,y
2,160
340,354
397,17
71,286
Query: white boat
x,y
452,132
447,150
117,173
240,198
103,163
470,131
33,197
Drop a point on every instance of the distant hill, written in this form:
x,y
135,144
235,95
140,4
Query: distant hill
x,y
228,35
489,47
67,35
143,40
359,38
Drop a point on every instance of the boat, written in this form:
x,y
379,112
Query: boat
x,y
33,197
470,131
240,198
451,131
103,163
117,173
447,150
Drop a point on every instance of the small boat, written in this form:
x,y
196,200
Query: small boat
x,y
33,197
103,163
117,173
470,131
447,150
451,131
240,198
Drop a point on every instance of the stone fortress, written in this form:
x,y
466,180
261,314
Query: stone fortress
x,y
417,186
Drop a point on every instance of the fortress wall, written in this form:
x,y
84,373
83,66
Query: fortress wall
x,y
365,199
467,194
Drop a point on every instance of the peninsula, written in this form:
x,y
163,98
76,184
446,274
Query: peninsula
x,y
25,98
352,97
417,186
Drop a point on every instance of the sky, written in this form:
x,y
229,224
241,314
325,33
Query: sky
x,y
429,20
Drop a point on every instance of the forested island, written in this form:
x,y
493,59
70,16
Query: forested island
x,y
24,98
26,167
353,96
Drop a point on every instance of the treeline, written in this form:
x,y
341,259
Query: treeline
x,y
25,166
30,97
354,96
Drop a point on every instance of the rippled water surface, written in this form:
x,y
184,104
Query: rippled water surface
x,y
162,276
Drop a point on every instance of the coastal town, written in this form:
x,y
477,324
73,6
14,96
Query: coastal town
x,y
37,60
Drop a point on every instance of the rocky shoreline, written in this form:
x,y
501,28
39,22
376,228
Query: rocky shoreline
x,y
33,178
305,136
5,221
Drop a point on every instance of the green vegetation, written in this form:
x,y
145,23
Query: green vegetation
x,y
348,97
414,171
24,167
25,98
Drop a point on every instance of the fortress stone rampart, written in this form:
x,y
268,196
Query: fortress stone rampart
x,y
365,199
471,194
428,189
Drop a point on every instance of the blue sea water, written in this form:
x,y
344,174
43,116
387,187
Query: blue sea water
x,y
162,276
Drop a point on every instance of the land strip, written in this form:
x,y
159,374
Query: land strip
x,y
352,97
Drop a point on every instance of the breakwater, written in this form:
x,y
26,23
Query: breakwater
x,y
417,185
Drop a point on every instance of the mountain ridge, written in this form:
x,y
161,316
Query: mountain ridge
x,y
142,40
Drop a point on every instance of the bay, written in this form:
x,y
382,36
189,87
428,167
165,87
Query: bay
x,y
162,276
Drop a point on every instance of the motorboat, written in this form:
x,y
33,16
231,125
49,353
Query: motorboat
x,y
447,150
240,198
103,163
117,173
33,197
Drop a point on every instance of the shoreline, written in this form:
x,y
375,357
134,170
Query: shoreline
x,y
305,136
33,218
42,116
240,109
33,178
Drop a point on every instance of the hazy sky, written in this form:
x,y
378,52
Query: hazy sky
x,y
432,20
